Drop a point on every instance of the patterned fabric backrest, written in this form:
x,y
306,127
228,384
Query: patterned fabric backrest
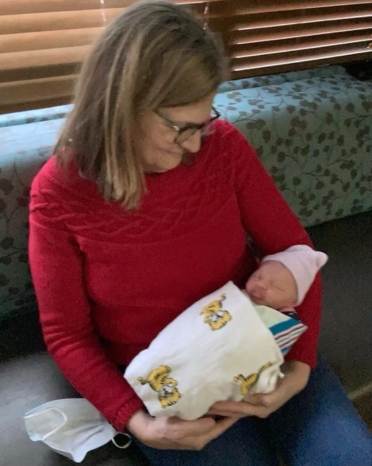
x,y
23,150
314,136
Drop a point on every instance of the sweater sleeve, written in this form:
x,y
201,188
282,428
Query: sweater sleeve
x,y
57,272
273,227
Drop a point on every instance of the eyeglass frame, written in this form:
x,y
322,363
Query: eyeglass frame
x,y
193,126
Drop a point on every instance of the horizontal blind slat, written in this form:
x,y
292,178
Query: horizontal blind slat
x,y
283,46
298,64
253,22
47,92
14,7
256,7
47,39
262,61
294,32
38,89
41,72
14,24
42,58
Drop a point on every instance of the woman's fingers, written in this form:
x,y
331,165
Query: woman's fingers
x,y
192,428
194,435
238,408
232,407
258,400
222,425
262,405
176,434
220,412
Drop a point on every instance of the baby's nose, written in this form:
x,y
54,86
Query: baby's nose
x,y
261,285
256,294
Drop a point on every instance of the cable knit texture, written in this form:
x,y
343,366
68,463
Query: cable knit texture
x,y
107,281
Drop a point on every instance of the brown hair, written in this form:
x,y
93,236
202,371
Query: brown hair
x,y
155,54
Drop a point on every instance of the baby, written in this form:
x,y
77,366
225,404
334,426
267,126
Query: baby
x,y
283,279
228,344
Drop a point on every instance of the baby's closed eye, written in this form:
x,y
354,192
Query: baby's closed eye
x,y
278,287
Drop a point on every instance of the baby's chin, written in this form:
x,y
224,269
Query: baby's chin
x,y
258,301
262,302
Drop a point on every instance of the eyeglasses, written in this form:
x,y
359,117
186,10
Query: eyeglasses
x,y
185,132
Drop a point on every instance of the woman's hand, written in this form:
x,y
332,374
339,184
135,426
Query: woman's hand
x,y
296,376
175,434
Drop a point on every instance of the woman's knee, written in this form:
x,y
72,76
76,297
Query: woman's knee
x,y
346,444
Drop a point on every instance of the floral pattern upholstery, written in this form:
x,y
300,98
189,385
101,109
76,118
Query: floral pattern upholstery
x,y
314,136
23,150
312,130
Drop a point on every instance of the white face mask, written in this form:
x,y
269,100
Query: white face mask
x,y
71,427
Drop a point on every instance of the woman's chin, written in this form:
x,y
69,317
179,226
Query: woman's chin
x,y
160,170
168,167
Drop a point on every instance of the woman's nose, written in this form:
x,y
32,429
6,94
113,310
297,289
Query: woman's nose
x,y
192,144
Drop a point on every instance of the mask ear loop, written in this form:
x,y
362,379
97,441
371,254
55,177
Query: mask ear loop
x,y
122,447
50,409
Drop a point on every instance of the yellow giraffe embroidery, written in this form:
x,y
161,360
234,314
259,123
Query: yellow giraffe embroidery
x,y
214,315
165,386
247,383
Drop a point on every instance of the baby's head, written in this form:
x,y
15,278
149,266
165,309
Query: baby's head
x,y
272,285
283,279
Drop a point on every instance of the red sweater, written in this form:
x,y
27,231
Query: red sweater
x,y
107,281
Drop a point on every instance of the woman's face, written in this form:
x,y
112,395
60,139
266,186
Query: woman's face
x,y
157,143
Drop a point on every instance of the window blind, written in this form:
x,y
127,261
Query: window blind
x,y
268,36
42,42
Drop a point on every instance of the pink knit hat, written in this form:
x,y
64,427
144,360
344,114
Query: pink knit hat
x,y
303,262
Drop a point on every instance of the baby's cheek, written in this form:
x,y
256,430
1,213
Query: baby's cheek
x,y
254,293
272,299
248,286
253,290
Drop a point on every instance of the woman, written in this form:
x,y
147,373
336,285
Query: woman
x,y
145,209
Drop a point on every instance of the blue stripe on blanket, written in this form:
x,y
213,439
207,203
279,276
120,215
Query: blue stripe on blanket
x,y
287,333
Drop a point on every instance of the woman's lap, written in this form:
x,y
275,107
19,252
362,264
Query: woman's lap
x,y
317,427
243,444
320,426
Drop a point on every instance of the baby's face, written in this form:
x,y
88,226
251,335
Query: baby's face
x,y
272,285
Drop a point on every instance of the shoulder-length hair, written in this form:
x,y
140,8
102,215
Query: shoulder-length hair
x,y
155,54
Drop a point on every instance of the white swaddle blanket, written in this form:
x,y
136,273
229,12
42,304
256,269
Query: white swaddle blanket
x,y
218,349
222,347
